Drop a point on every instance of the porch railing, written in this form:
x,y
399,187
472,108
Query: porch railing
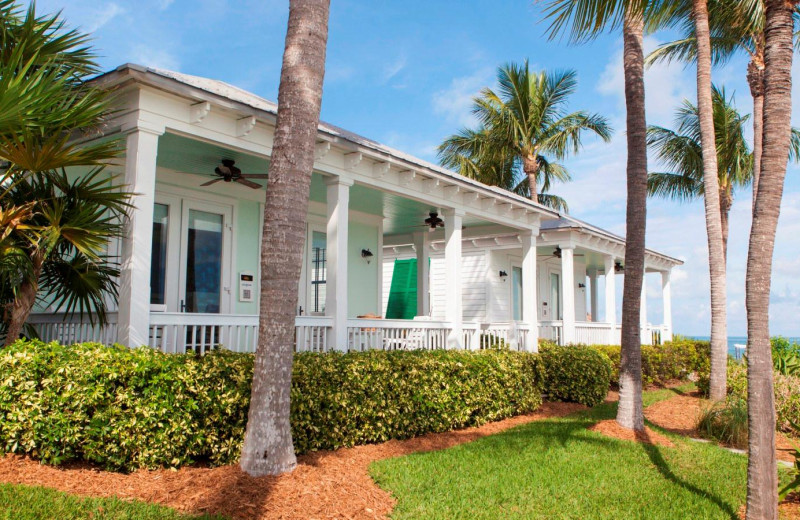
x,y
181,332
552,331
57,326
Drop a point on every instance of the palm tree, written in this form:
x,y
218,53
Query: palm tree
x,y
520,126
583,20
60,244
60,228
762,473
268,445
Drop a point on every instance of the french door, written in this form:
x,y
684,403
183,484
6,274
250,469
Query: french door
x,y
204,283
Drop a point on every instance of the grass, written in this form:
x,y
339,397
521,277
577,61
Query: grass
x,y
558,469
38,503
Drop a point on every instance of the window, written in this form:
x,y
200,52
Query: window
x,y
555,296
204,262
319,271
158,261
516,290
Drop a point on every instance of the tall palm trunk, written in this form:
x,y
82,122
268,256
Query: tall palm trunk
x,y
716,256
725,204
755,79
531,168
762,478
268,445
629,413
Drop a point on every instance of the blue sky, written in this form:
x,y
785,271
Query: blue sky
x,y
404,73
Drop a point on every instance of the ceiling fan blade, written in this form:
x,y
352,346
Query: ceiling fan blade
x,y
255,176
209,183
247,183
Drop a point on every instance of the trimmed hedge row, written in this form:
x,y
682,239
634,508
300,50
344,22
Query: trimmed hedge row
x,y
138,408
676,359
579,375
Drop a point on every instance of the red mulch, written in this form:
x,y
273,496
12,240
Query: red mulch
x,y
611,428
324,485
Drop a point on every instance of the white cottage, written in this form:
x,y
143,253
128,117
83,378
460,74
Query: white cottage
x,y
487,265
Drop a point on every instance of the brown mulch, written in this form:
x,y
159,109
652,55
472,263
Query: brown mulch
x,y
330,484
611,428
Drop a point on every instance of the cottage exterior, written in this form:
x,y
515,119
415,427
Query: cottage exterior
x,y
500,267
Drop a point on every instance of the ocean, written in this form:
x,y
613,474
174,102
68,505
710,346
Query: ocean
x,y
736,340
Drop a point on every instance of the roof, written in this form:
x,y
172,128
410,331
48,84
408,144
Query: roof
x,y
240,96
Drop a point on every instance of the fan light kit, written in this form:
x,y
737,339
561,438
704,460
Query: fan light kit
x,y
229,173
433,221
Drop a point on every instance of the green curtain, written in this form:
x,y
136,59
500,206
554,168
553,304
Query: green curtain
x,y
403,292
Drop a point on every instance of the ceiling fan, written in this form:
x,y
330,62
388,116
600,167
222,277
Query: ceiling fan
x,y
433,221
229,173
557,253
618,267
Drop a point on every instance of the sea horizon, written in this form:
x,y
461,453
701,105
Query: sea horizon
x,y
739,340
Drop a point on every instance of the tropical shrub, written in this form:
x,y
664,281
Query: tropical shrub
x,y
125,409
785,356
580,375
676,359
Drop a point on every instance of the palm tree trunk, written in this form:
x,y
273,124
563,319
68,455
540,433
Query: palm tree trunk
x,y
725,204
629,413
716,256
762,474
755,78
268,448
531,168
24,300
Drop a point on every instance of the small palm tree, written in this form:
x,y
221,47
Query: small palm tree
x,y
680,151
57,230
521,127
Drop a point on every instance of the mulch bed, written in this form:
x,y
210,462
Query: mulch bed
x,y
330,484
611,428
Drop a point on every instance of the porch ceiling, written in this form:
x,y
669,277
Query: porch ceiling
x,y
186,155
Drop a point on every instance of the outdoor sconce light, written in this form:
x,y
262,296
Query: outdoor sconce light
x,y
503,275
366,254
581,286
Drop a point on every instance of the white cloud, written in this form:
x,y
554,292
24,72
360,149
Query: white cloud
x,y
102,15
153,57
666,85
390,70
455,102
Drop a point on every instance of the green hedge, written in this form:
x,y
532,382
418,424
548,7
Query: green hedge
x,y
138,408
676,359
579,375
787,394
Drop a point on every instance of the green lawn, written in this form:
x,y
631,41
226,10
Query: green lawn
x,y
38,503
558,469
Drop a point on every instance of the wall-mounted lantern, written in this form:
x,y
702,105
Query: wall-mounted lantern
x,y
503,275
367,255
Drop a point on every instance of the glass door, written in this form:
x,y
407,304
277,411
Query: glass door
x,y
555,295
204,277
516,292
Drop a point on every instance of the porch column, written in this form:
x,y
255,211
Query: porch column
x,y
646,338
452,260
338,198
593,293
422,245
666,294
529,303
133,319
611,298
568,292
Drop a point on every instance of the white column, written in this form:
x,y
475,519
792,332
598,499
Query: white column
x,y
646,338
666,294
568,293
593,294
529,303
336,245
611,298
452,259
423,248
141,150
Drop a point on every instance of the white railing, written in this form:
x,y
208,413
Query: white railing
x,y
551,331
594,333
181,332
72,329
512,335
368,334
311,333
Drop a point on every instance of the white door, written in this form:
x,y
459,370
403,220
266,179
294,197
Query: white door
x,y
204,278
